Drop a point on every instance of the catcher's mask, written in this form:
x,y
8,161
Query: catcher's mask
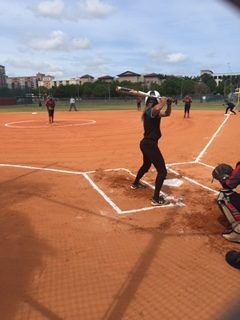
x,y
221,172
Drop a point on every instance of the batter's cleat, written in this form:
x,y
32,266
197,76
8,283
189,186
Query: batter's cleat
x,y
138,185
233,259
232,236
159,202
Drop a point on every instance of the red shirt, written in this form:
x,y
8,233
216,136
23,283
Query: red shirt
x,y
50,104
187,99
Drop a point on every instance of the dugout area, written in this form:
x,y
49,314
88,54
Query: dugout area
x,y
65,251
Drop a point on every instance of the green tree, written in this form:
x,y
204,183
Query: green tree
x,y
87,89
209,81
201,88
220,88
100,90
171,86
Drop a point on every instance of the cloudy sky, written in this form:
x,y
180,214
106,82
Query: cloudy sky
x,y
70,38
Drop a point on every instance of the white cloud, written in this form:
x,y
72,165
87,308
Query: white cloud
x,y
83,9
55,41
82,43
51,9
56,73
96,62
174,58
168,58
93,65
95,9
58,40
27,64
38,66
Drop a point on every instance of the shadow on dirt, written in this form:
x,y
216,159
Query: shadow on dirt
x,y
21,251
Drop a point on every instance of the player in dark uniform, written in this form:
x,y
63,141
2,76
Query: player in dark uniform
x,y
187,105
139,102
50,104
229,106
152,115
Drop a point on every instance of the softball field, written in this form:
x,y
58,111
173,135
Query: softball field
x,y
78,244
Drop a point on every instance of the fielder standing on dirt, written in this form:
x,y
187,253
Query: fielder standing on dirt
x,y
72,104
50,104
139,102
187,105
151,117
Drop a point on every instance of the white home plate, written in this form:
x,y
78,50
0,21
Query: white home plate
x,y
173,182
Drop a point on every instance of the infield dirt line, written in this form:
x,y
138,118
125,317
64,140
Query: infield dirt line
x,y
211,140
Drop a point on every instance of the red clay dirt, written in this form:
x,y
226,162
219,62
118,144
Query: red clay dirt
x,y
67,253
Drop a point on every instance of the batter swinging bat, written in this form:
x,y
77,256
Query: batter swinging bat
x,y
132,92
138,93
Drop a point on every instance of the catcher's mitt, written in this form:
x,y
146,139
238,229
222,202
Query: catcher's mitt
x,y
222,172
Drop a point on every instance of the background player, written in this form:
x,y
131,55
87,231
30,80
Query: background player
x,y
229,106
50,104
139,103
72,104
187,105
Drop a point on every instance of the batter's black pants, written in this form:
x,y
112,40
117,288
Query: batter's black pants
x,y
152,155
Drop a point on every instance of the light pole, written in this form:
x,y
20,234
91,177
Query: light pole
x,y
181,88
39,93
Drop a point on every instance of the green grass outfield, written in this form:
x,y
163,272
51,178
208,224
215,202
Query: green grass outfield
x,y
98,105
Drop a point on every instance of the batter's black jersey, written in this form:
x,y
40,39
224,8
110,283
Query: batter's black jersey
x,y
151,125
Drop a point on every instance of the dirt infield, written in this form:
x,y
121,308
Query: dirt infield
x,y
78,243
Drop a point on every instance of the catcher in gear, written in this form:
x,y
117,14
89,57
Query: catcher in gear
x,y
229,200
222,172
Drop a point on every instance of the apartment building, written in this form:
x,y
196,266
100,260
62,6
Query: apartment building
x,y
106,78
24,82
153,78
29,82
130,76
218,77
45,81
86,78
57,83
2,76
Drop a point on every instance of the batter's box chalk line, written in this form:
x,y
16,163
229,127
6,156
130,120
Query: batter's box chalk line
x,y
170,182
173,182
190,180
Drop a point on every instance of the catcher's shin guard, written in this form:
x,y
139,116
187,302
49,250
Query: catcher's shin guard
x,y
228,210
236,227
